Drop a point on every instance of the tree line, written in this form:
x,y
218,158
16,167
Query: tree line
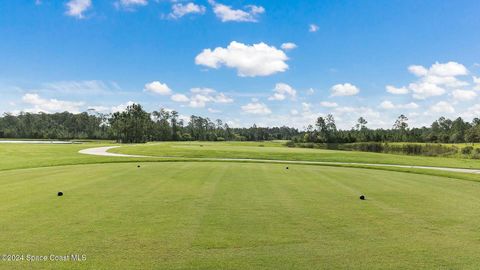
x,y
135,125
443,130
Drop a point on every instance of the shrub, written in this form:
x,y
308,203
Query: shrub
x,y
467,150
290,144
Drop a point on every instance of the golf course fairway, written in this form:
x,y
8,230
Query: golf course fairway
x,y
227,215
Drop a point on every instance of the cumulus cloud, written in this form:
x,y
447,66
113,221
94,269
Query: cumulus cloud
x,y
288,46
327,104
249,60
180,98
442,107
396,91
313,28
388,105
435,81
423,90
77,8
282,91
345,89
157,87
464,95
179,10
130,4
418,70
255,107
200,97
228,14
50,105
222,98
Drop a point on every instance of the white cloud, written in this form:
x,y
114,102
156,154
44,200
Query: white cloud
x,y
396,91
222,98
50,105
203,91
346,117
288,46
418,70
117,108
411,105
79,87
213,110
327,104
228,14
345,89
313,28
310,91
464,95
249,60
157,87
179,10
293,112
76,8
442,107
199,101
180,98
256,107
450,69
435,80
200,97
388,105
476,80
306,107
423,90
471,112
282,91
130,4
121,107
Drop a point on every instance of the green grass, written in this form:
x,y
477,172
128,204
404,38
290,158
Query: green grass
x,y
266,150
234,215
19,156
238,216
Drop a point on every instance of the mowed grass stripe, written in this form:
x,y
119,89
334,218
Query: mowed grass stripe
x,y
274,151
211,215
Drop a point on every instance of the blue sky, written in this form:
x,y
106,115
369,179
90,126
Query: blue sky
x,y
264,62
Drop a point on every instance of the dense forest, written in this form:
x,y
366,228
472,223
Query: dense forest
x,y
135,125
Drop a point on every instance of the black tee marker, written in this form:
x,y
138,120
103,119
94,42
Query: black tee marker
x,y
59,194
138,166
362,197
286,168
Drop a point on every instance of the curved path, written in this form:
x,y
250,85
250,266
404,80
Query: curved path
x,y
103,151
